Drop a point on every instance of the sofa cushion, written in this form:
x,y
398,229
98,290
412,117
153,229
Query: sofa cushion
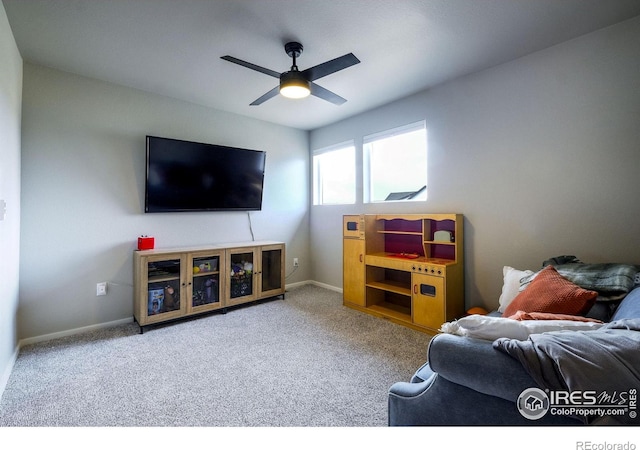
x,y
602,310
511,285
551,292
629,308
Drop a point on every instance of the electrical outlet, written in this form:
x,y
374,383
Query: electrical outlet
x,y
101,288
296,263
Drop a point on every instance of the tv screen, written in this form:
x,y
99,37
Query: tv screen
x,y
190,176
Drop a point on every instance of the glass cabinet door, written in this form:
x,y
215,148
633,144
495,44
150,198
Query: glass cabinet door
x,y
163,288
241,274
271,273
205,282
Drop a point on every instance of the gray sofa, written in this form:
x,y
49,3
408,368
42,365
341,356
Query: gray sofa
x,y
469,381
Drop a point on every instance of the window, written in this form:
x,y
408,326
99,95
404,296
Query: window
x,y
395,164
334,175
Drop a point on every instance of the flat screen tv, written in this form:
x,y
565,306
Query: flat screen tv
x,y
190,176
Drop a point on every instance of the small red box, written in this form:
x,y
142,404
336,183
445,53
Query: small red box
x,y
145,243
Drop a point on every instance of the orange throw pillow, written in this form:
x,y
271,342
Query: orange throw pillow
x,y
521,315
550,292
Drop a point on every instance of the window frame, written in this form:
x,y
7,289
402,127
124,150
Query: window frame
x,y
317,176
367,188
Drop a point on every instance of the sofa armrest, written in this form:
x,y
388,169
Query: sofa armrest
x,y
410,390
474,363
410,404
422,374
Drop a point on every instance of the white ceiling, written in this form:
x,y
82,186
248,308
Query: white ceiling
x,y
173,47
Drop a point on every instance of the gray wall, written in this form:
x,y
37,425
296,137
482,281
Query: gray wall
x,y
10,104
541,155
83,148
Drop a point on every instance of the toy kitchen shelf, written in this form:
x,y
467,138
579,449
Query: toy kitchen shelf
x,y
407,268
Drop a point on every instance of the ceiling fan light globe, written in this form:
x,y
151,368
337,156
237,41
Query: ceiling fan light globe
x,y
294,91
294,85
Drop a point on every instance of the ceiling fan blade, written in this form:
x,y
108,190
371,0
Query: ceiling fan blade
x,y
326,94
329,67
249,65
272,93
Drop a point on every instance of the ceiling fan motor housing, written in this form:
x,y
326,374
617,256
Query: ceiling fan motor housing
x,y
293,49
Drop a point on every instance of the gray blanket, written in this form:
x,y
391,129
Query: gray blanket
x,y
610,280
604,360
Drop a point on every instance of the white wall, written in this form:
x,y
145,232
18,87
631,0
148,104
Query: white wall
x,y
10,106
541,155
83,144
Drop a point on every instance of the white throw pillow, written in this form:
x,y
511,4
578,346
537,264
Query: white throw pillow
x,y
491,328
511,285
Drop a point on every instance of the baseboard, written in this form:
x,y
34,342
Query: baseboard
x,y
4,379
295,285
48,337
326,286
315,283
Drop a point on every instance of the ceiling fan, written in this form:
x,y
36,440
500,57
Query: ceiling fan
x,y
299,84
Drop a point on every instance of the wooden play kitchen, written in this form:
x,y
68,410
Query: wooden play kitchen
x,y
407,268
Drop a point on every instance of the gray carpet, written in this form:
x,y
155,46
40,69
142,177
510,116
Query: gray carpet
x,y
302,361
